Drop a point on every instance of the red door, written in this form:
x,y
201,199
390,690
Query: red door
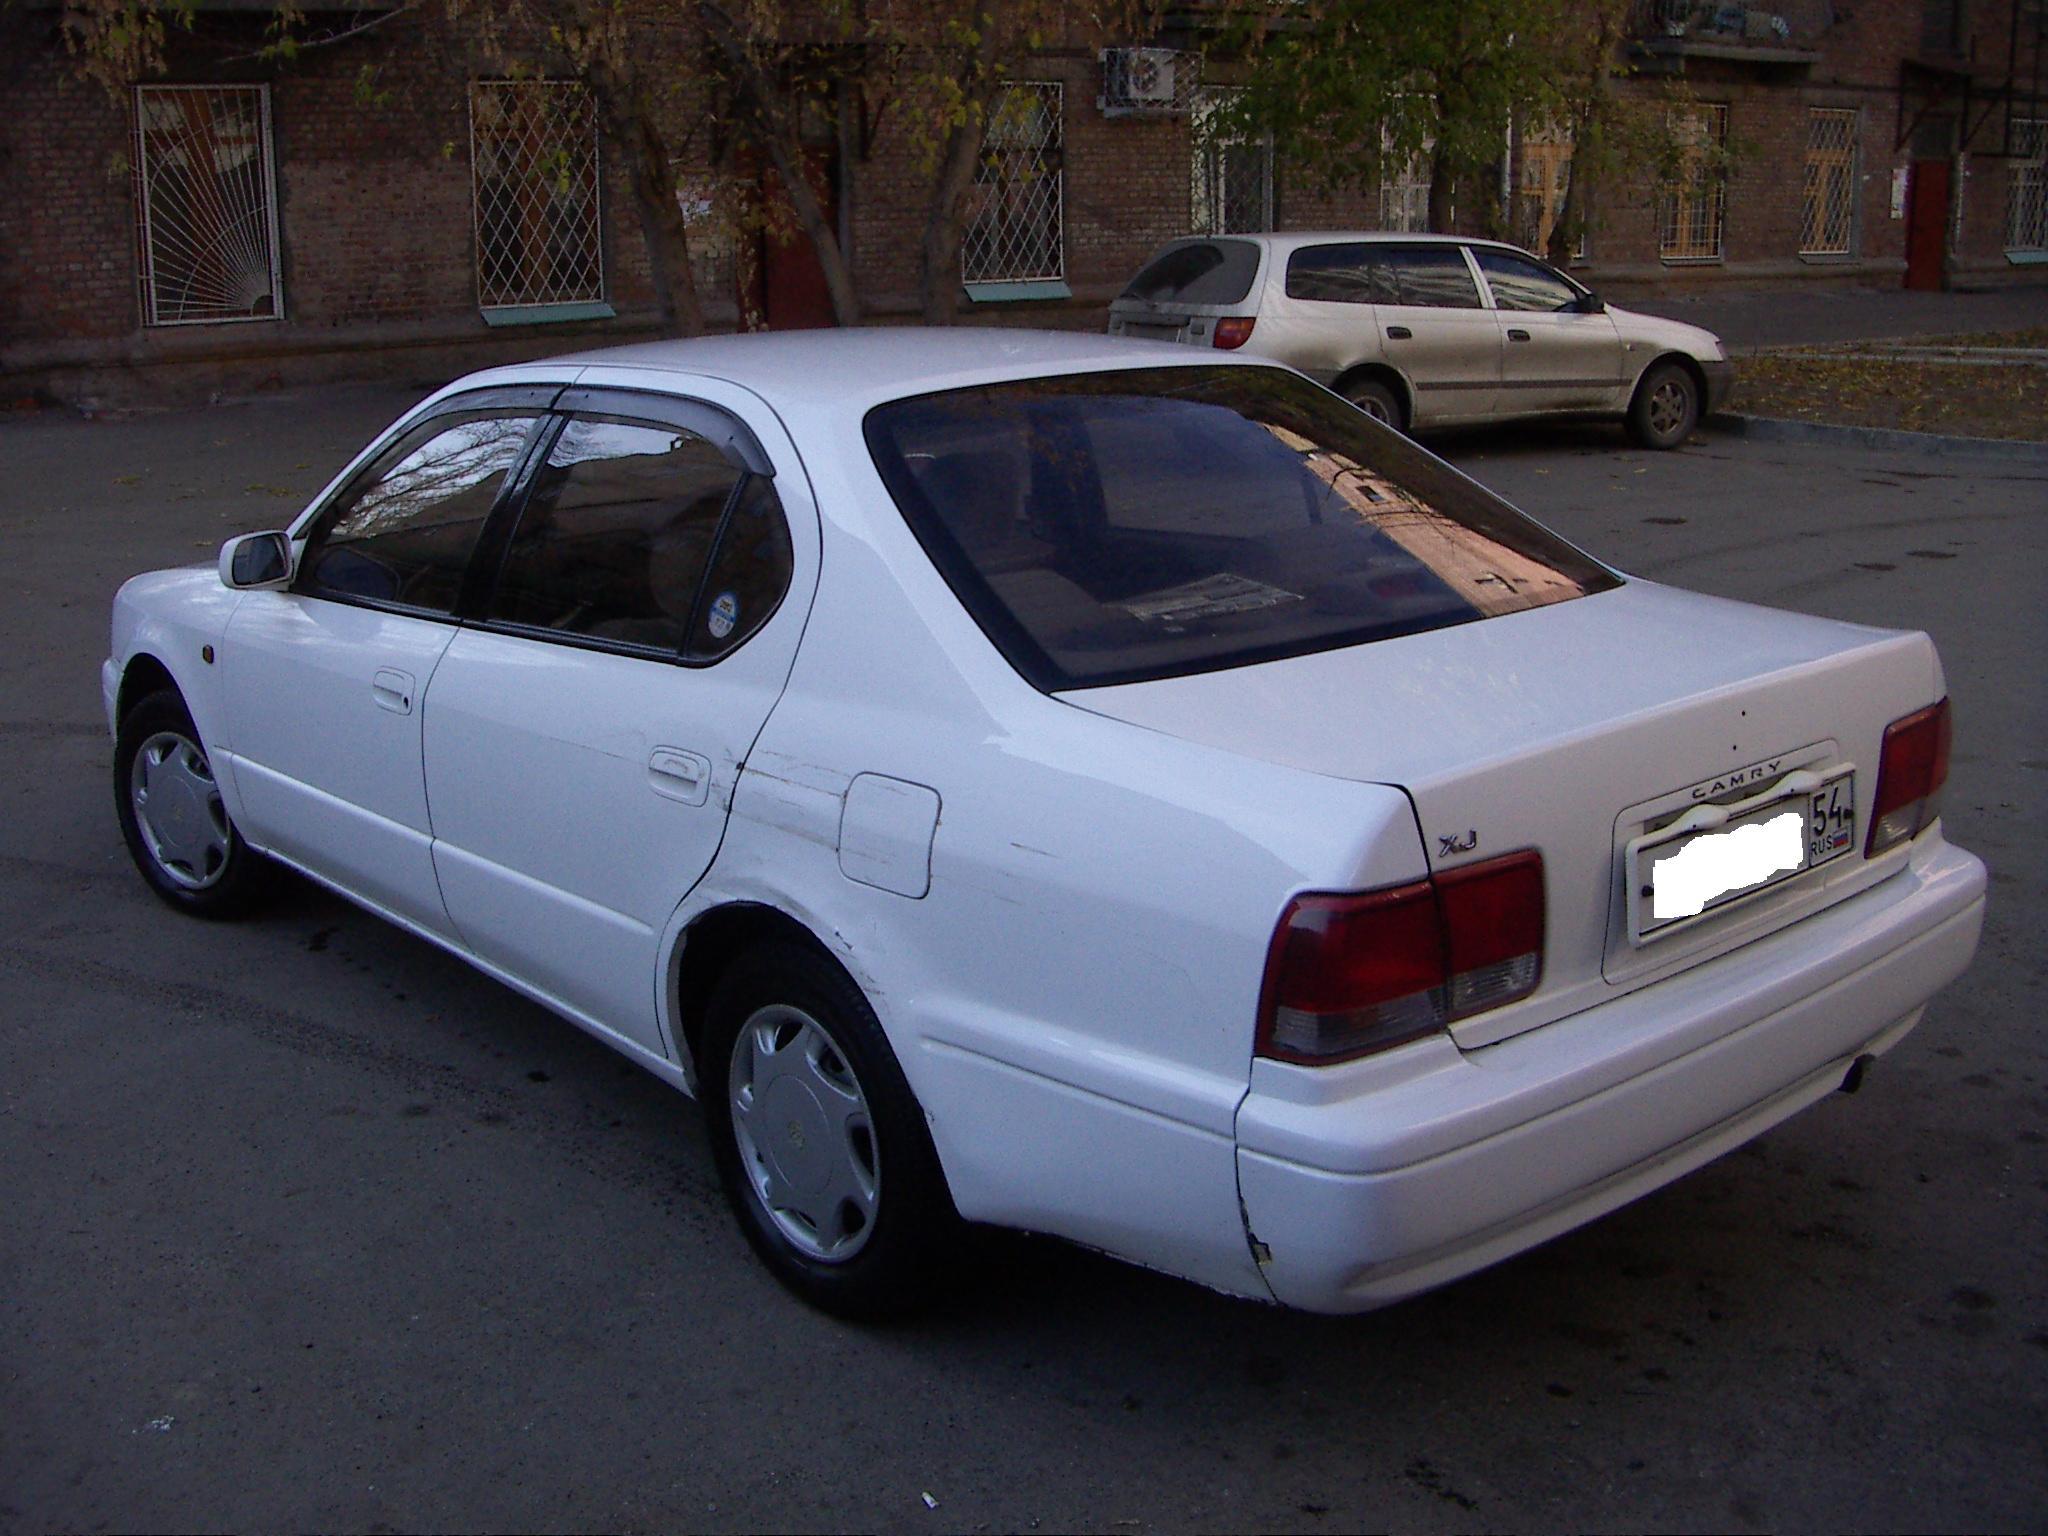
x,y
1926,224
793,292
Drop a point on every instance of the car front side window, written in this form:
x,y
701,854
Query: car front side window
x,y
1520,284
403,531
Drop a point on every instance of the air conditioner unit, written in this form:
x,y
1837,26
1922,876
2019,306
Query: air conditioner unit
x,y
1141,80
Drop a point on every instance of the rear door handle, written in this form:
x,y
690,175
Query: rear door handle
x,y
1515,333
393,690
678,775
1398,333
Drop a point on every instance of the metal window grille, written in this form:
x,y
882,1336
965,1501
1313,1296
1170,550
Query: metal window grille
x,y
533,157
207,204
1828,215
1546,168
1404,189
1231,177
2026,186
1017,233
1696,203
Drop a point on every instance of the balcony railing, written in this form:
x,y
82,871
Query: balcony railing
x,y
1731,28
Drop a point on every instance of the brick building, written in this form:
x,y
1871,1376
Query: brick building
x,y
395,206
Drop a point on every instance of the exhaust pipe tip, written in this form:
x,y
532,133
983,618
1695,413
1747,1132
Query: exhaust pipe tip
x,y
1853,1078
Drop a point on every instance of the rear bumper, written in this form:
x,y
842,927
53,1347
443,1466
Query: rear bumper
x,y
1430,1163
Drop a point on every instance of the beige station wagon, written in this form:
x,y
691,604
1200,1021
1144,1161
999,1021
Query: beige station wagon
x,y
1428,331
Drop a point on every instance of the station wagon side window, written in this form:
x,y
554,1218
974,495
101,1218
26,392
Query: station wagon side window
x,y
1341,274
643,536
402,532
1432,276
1521,284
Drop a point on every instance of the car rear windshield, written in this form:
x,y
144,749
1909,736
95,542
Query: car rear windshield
x,y
1112,527
1198,272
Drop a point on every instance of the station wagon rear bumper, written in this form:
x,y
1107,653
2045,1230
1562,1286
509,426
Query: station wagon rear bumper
x,y
1361,1197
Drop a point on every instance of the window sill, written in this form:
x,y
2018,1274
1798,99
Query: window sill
x,y
2035,256
1693,261
548,314
1827,258
1014,293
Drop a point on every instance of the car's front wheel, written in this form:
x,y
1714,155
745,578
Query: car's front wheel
x,y
171,812
819,1142
1666,407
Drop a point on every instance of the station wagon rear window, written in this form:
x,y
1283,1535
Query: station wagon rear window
x,y
1113,527
1198,272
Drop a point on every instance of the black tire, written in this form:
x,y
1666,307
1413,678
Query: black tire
x,y
1666,406
209,871
897,1252
1378,400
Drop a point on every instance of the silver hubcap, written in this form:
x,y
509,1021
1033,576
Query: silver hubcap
x,y
1670,403
806,1140
178,808
1375,407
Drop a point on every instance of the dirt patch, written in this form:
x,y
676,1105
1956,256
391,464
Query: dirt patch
x,y
1962,399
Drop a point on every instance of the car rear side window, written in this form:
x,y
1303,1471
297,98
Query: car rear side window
x,y
1433,276
1111,527
1341,274
403,530
1198,272
615,537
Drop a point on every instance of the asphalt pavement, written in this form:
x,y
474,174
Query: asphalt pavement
x,y
310,1226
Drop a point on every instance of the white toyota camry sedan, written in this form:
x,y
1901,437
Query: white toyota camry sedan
x,y
1105,789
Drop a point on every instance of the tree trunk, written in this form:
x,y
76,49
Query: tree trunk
x,y
945,221
1443,185
662,225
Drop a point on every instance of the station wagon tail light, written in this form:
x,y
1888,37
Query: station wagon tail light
x,y
1910,772
1348,975
1234,331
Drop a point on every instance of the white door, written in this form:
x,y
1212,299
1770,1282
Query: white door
x,y
584,734
1554,356
1435,328
325,681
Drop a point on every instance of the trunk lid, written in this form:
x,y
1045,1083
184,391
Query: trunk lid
x,y
1575,729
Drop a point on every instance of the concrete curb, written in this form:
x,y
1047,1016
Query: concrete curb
x,y
1774,429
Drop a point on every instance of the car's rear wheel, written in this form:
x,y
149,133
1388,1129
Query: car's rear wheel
x,y
819,1142
1377,399
1666,407
171,812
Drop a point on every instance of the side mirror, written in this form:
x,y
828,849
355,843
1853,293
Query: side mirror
x,y
1591,304
256,560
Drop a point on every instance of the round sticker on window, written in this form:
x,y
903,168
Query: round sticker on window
x,y
725,612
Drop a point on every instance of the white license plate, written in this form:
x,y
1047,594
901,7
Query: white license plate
x,y
1688,874
1146,331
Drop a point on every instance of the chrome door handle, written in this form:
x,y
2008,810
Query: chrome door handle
x,y
678,775
393,690
1517,334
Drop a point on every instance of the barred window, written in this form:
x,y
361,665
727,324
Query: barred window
x,y
1696,200
1828,216
533,154
1231,186
206,204
1546,170
1404,188
2026,186
1017,232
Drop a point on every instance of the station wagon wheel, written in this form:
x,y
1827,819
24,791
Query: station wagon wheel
x,y
1666,407
820,1144
172,816
1378,401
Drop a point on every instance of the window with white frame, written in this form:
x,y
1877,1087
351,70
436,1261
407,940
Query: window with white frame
x,y
533,157
1017,231
2026,186
1695,202
1230,188
206,201
1544,174
1828,213
1404,187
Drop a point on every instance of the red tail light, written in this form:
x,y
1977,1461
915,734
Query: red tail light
x,y
1910,772
1234,331
1348,975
